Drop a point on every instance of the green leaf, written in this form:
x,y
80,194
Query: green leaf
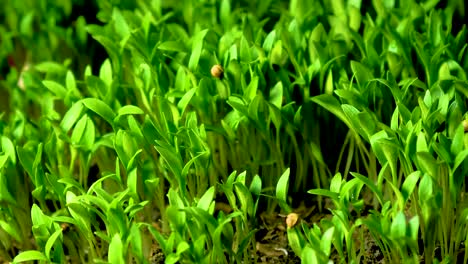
x,y
329,85
365,129
413,228
56,88
50,67
132,180
278,54
96,86
130,110
239,105
182,247
169,154
317,52
276,95
458,141
246,241
300,9
37,217
172,46
398,227
362,73
225,13
427,164
150,131
323,192
9,149
269,41
79,213
245,55
435,28
100,108
460,158
263,7
392,86
425,189
409,184
136,242
282,191
332,105
350,188
442,148
245,198
256,185
404,113
217,236
370,185
132,210
172,258
326,241
309,256
185,170
295,240
197,46
386,150
237,177
185,100
26,23
84,133
207,198
159,239
116,250
81,33
120,25
335,184
70,81
395,119
251,91
51,241
421,144
29,255
105,73
12,229
125,146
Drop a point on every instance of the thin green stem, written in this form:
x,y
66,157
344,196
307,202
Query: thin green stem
x,y
340,156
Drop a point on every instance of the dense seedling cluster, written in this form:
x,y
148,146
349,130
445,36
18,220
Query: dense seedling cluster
x,y
133,128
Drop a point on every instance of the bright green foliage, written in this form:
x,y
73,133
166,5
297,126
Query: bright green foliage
x,y
418,143
198,235
115,137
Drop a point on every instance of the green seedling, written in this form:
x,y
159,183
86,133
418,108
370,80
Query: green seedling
x,y
121,130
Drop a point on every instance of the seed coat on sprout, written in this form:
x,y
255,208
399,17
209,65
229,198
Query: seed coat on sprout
x,y
217,71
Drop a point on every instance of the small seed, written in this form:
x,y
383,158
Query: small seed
x,y
291,220
64,226
217,71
